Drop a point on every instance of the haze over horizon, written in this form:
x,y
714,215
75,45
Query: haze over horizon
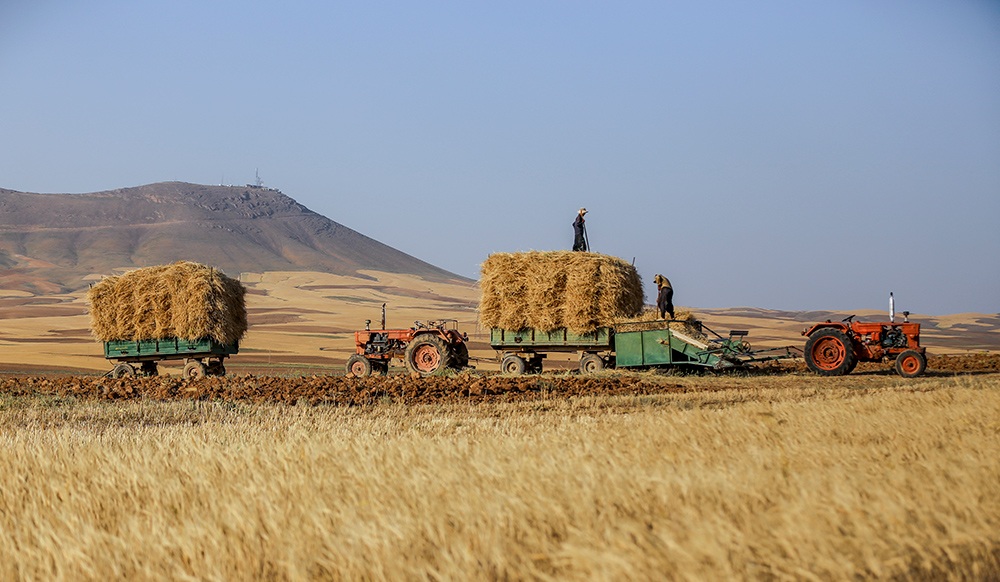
x,y
773,154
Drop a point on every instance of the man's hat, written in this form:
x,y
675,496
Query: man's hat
x,y
583,211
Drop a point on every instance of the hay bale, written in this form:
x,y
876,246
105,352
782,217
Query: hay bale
x,y
184,300
557,289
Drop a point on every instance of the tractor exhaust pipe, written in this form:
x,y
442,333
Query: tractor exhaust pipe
x,y
383,316
892,309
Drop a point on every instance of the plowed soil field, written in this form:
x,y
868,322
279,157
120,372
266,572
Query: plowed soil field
x,y
471,387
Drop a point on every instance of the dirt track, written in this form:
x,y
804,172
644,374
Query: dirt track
x,y
464,387
338,390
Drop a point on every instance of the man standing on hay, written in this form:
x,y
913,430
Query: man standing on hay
x,y
580,232
664,296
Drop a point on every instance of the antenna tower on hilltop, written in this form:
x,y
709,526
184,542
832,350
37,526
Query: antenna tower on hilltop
x,y
259,184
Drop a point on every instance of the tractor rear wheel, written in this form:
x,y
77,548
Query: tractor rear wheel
x,y
358,366
829,352
910,364
591,363
427,354
513,365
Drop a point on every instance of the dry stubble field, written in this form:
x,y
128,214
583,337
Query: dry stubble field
x,y
776,476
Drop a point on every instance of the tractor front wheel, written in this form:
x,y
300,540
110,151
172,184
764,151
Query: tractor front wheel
x,y
427,354
910,364
829,352
359,366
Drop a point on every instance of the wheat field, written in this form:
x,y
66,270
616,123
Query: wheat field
x,y
779,479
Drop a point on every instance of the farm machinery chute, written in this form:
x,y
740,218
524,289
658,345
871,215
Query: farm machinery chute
x,y
426,348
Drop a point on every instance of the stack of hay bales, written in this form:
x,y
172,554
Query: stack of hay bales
x,y
557,289
184,300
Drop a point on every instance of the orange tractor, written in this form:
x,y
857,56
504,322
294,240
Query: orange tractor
x,y
834,349
426,348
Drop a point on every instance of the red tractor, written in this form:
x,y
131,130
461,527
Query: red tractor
x,y
834,349
425,348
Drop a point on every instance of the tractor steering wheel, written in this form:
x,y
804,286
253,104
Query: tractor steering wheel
x,y
847,319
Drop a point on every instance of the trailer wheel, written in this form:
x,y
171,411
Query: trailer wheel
x,y
359,366
194,370
427,354
513,365
123,370
591,363
830,353
910,364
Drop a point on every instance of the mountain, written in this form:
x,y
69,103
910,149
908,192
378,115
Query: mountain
x,y
60,242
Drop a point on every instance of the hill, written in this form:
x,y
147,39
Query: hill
x,y
54,243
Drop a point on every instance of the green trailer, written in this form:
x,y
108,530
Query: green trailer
x,y
522,351
202,357
647,344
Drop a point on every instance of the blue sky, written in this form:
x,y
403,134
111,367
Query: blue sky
x,y
778,154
